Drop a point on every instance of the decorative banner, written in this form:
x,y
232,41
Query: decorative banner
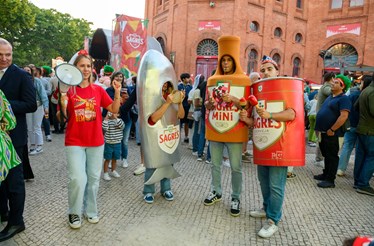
x,y
348,28
216,25
129,43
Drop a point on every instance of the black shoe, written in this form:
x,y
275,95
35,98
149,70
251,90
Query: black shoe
x,y
326,184
365,190
212,198
10,231
4,217
186,140
235,207
319,177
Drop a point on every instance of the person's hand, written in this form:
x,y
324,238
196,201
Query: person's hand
x,y
226,98
263,113
169,99
116,85
46,113
330,132
243,115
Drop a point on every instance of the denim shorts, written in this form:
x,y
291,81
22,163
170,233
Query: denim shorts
x,y
112,151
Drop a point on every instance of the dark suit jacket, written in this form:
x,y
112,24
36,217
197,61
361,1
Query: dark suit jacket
x,y
19,89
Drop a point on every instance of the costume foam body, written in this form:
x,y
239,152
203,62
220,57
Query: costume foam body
x,y
160,141
279,143
222,123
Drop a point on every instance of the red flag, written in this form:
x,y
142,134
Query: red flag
x,y
129,43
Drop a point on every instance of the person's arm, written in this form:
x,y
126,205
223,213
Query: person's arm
x,y
326,91
243,116
27,92
43,95
338,123
105,124
181,112
157,115
114,107
283,116
126,107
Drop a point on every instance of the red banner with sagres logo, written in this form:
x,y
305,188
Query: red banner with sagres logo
x,y
129,43
347,28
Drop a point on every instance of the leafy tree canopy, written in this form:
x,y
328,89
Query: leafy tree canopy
x,y
39,35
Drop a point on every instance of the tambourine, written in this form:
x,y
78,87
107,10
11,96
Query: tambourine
x,y
177,96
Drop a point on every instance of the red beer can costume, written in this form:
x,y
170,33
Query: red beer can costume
x,y
279,143
222,123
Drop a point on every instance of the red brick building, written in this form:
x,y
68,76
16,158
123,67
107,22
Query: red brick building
x,y
293,32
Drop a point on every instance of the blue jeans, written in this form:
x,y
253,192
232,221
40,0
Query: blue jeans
x,y
350,140
84,168
202,140
196,136
235,155
137,132
364,161
164,183
273,185
125,140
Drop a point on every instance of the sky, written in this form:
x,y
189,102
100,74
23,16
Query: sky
x,y
101,15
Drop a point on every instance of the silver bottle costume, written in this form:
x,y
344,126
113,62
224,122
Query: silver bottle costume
x,y
160,142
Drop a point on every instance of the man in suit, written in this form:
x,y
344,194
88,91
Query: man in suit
x,y
18,87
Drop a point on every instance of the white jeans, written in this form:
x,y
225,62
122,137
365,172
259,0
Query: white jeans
x,y
84,169
34,126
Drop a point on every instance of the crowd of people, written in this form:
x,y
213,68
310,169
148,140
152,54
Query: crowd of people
x,y
98,116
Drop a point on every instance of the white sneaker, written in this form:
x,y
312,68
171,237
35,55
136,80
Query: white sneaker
x,y
92,220
258,213
125,163
340,173
226,163
49,138
268,229
38,150
115,174
139,170
194,153
106,177
110,165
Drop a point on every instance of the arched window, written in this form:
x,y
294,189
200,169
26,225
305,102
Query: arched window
x,y
298,38
207,47
278,32
299,4
341,55
162,43
296,67
252,61
254,26
277,58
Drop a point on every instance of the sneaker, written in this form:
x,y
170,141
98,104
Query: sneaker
x,y
200,158
365,190
319,177
212,198
250,142
93,220
106,177
36,151
246,159
75,221
208,161
268,229
148,198
194,153
247,153
139,170
258,213
190,147
320,164
115,174
125,163
110,165
291,175
226,163
340,173
168,195
319,159
235,207
186,140
49,138
326,184
312,144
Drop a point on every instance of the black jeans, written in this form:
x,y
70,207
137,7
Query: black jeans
x,y
12,189
329,146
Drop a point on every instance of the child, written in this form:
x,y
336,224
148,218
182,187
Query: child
x,y
113,128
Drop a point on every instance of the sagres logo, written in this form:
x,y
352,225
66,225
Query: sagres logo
x,y
168,138
266,132
134,40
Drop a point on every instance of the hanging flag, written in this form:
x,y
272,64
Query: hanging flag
x,y
129,43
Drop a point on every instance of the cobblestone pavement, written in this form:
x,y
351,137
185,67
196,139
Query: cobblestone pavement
x,y
311,216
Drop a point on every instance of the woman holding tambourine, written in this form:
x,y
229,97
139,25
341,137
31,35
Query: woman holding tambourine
x,y
84,140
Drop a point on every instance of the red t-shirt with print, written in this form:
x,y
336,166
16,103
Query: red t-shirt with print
x,y
84,116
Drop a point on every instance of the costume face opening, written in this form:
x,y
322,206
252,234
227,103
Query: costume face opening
x,y
167,88
227,64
